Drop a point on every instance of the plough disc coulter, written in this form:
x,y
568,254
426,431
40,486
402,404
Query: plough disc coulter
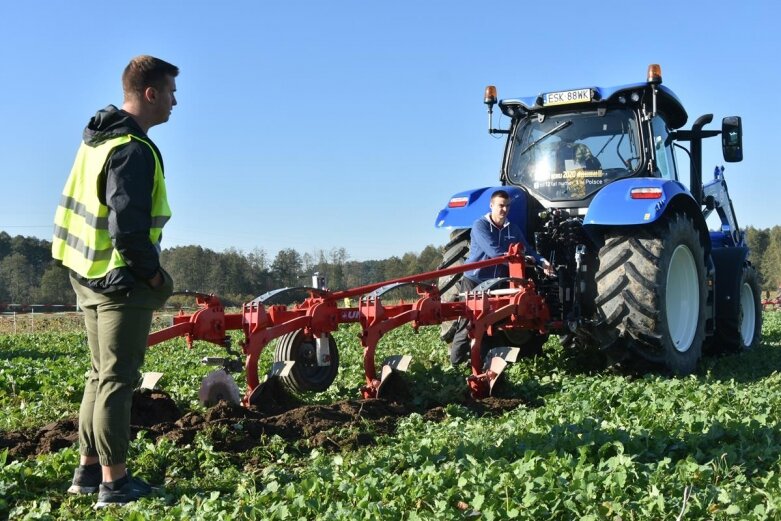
x,y
307,357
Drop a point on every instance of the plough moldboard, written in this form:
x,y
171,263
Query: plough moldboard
x,y
306,357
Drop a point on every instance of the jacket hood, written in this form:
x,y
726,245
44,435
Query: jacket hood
x,y
502,227
109,123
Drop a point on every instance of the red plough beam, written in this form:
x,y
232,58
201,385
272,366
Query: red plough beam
x,y
519,307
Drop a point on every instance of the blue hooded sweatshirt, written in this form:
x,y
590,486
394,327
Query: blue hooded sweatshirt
x,y
490,241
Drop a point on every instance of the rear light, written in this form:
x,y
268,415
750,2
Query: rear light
x,y
458,202
646,193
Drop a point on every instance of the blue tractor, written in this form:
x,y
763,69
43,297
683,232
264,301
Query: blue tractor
x,y
595,186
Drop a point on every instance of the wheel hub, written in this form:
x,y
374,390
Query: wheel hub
x,y
748,318
682,301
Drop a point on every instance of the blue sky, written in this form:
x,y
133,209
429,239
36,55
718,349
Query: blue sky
x,y
316,125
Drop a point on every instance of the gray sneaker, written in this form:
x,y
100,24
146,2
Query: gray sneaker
x,y
122,491
86,479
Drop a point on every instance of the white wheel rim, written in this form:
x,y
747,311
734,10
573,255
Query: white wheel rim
x,y
749,318
682,298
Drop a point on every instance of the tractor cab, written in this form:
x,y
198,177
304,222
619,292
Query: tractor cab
x,y
570,155
564,146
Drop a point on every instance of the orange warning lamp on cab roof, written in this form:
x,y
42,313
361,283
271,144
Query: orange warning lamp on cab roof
x,y
655,73
490,95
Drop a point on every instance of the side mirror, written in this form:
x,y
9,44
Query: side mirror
x,y
732,139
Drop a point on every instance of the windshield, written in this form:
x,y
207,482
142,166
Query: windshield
x,y
570,156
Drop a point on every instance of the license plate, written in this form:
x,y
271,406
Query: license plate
x,y
567,96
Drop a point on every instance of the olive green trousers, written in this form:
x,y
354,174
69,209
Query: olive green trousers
x,y
117,329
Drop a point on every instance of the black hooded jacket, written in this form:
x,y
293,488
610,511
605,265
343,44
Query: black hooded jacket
x,y
125,187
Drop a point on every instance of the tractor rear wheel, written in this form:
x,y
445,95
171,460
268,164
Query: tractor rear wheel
x,y
651,292
306,374
455,253
741,328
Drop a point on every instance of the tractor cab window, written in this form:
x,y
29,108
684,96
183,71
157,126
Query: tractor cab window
x,y
571,155
663,151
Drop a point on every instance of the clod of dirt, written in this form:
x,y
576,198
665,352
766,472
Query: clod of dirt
x,y
153,407
50,438
491,406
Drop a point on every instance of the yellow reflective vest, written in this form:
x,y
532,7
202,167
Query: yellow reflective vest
x,y
81,237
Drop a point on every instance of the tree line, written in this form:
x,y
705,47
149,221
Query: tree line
x,y
29,275
765,245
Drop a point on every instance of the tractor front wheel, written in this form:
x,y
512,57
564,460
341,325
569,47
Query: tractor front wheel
x,y
741,328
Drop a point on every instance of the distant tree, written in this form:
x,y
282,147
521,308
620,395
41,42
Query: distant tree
x,y
55,287
309,262
236,275
286,268
429,258
17,278
188,266
371,271
360,273
36,251
758,241
336,268
260,275
771,261
410,262
5,245
393,268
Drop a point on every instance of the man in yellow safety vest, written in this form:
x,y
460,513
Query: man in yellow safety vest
x,y
107,232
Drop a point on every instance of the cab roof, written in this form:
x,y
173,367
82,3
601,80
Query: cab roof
x,y
666,102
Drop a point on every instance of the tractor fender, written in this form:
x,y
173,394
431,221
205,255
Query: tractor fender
x,y
613,205
728,264
464,208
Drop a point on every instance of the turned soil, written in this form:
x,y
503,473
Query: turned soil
x,y
343,425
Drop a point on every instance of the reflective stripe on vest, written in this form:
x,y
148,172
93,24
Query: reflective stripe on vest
x,y
81,238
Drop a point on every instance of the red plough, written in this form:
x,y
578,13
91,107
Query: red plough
x,y
306,357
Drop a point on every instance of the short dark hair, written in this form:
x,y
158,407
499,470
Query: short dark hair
x,y
146,71
500,193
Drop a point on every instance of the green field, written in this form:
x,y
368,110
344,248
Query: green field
x,y
578,442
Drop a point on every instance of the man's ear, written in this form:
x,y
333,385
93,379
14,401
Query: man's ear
x,y
150,94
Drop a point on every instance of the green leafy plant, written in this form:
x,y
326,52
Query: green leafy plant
x,y
582,442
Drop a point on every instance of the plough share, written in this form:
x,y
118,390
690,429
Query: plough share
x,y
306,356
